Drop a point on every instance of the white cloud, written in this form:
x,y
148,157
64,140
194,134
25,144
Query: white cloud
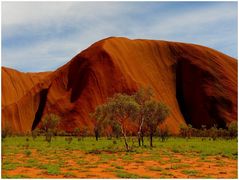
x,y
196,20
64,29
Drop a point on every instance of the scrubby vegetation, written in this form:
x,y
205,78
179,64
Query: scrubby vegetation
x,y
140,107
49,126
120,144
212,133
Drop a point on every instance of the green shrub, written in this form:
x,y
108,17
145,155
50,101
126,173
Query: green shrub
x,y
232,128
68,139
27,152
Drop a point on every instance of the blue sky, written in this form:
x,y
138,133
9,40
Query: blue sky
x,y
41,36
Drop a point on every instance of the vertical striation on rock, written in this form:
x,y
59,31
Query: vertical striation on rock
x,y
199,84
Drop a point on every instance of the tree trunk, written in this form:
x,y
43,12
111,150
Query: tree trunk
x,y
125,138
142,138
96,130
140,131
139,138
151,139
96,135
126,144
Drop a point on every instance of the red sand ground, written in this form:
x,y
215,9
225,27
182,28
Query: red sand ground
x,y
211,167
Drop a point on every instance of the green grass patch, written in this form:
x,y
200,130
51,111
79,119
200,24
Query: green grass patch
x,y
119,167
53,170
127,157
220,163
155,168
222,147
82,162
179,166
19,176
174,160
107,157
139,161
190,172
91,166
72,168
166,173
108,170
69,175
124,174
27,152
60,151
32,161
83,170
10,165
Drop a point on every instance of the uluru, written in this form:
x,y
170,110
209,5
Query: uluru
x,y
199,84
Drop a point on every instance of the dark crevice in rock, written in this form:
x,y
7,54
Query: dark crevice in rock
x,y
78,77
179,92
38,115
196,106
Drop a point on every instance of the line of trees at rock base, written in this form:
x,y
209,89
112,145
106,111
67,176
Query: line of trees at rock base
x,y
140,108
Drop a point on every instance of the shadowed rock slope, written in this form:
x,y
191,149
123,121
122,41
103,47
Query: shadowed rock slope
x,y
199,84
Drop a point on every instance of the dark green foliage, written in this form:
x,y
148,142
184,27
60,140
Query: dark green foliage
x,y
84,132
5,131
35,133
68,139
141,96
27,152
50,122
154,114
183,130
48,135
232,129
164,134
117,110
186,131
138,107
116,129
49,126
212,133
76,132
99,123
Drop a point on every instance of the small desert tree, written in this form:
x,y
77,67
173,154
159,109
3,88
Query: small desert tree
x,y
5,131
203,131
163,133
35,133
84,132
186,131
99,116
189,131
154,114
77,132
213,132
232,129
142,96
183,130
119,109
116,129
49,125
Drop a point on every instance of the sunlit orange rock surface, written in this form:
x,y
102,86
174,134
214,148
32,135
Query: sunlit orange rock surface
x,y
199,84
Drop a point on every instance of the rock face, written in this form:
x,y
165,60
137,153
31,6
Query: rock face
x,y
199,84
20,98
